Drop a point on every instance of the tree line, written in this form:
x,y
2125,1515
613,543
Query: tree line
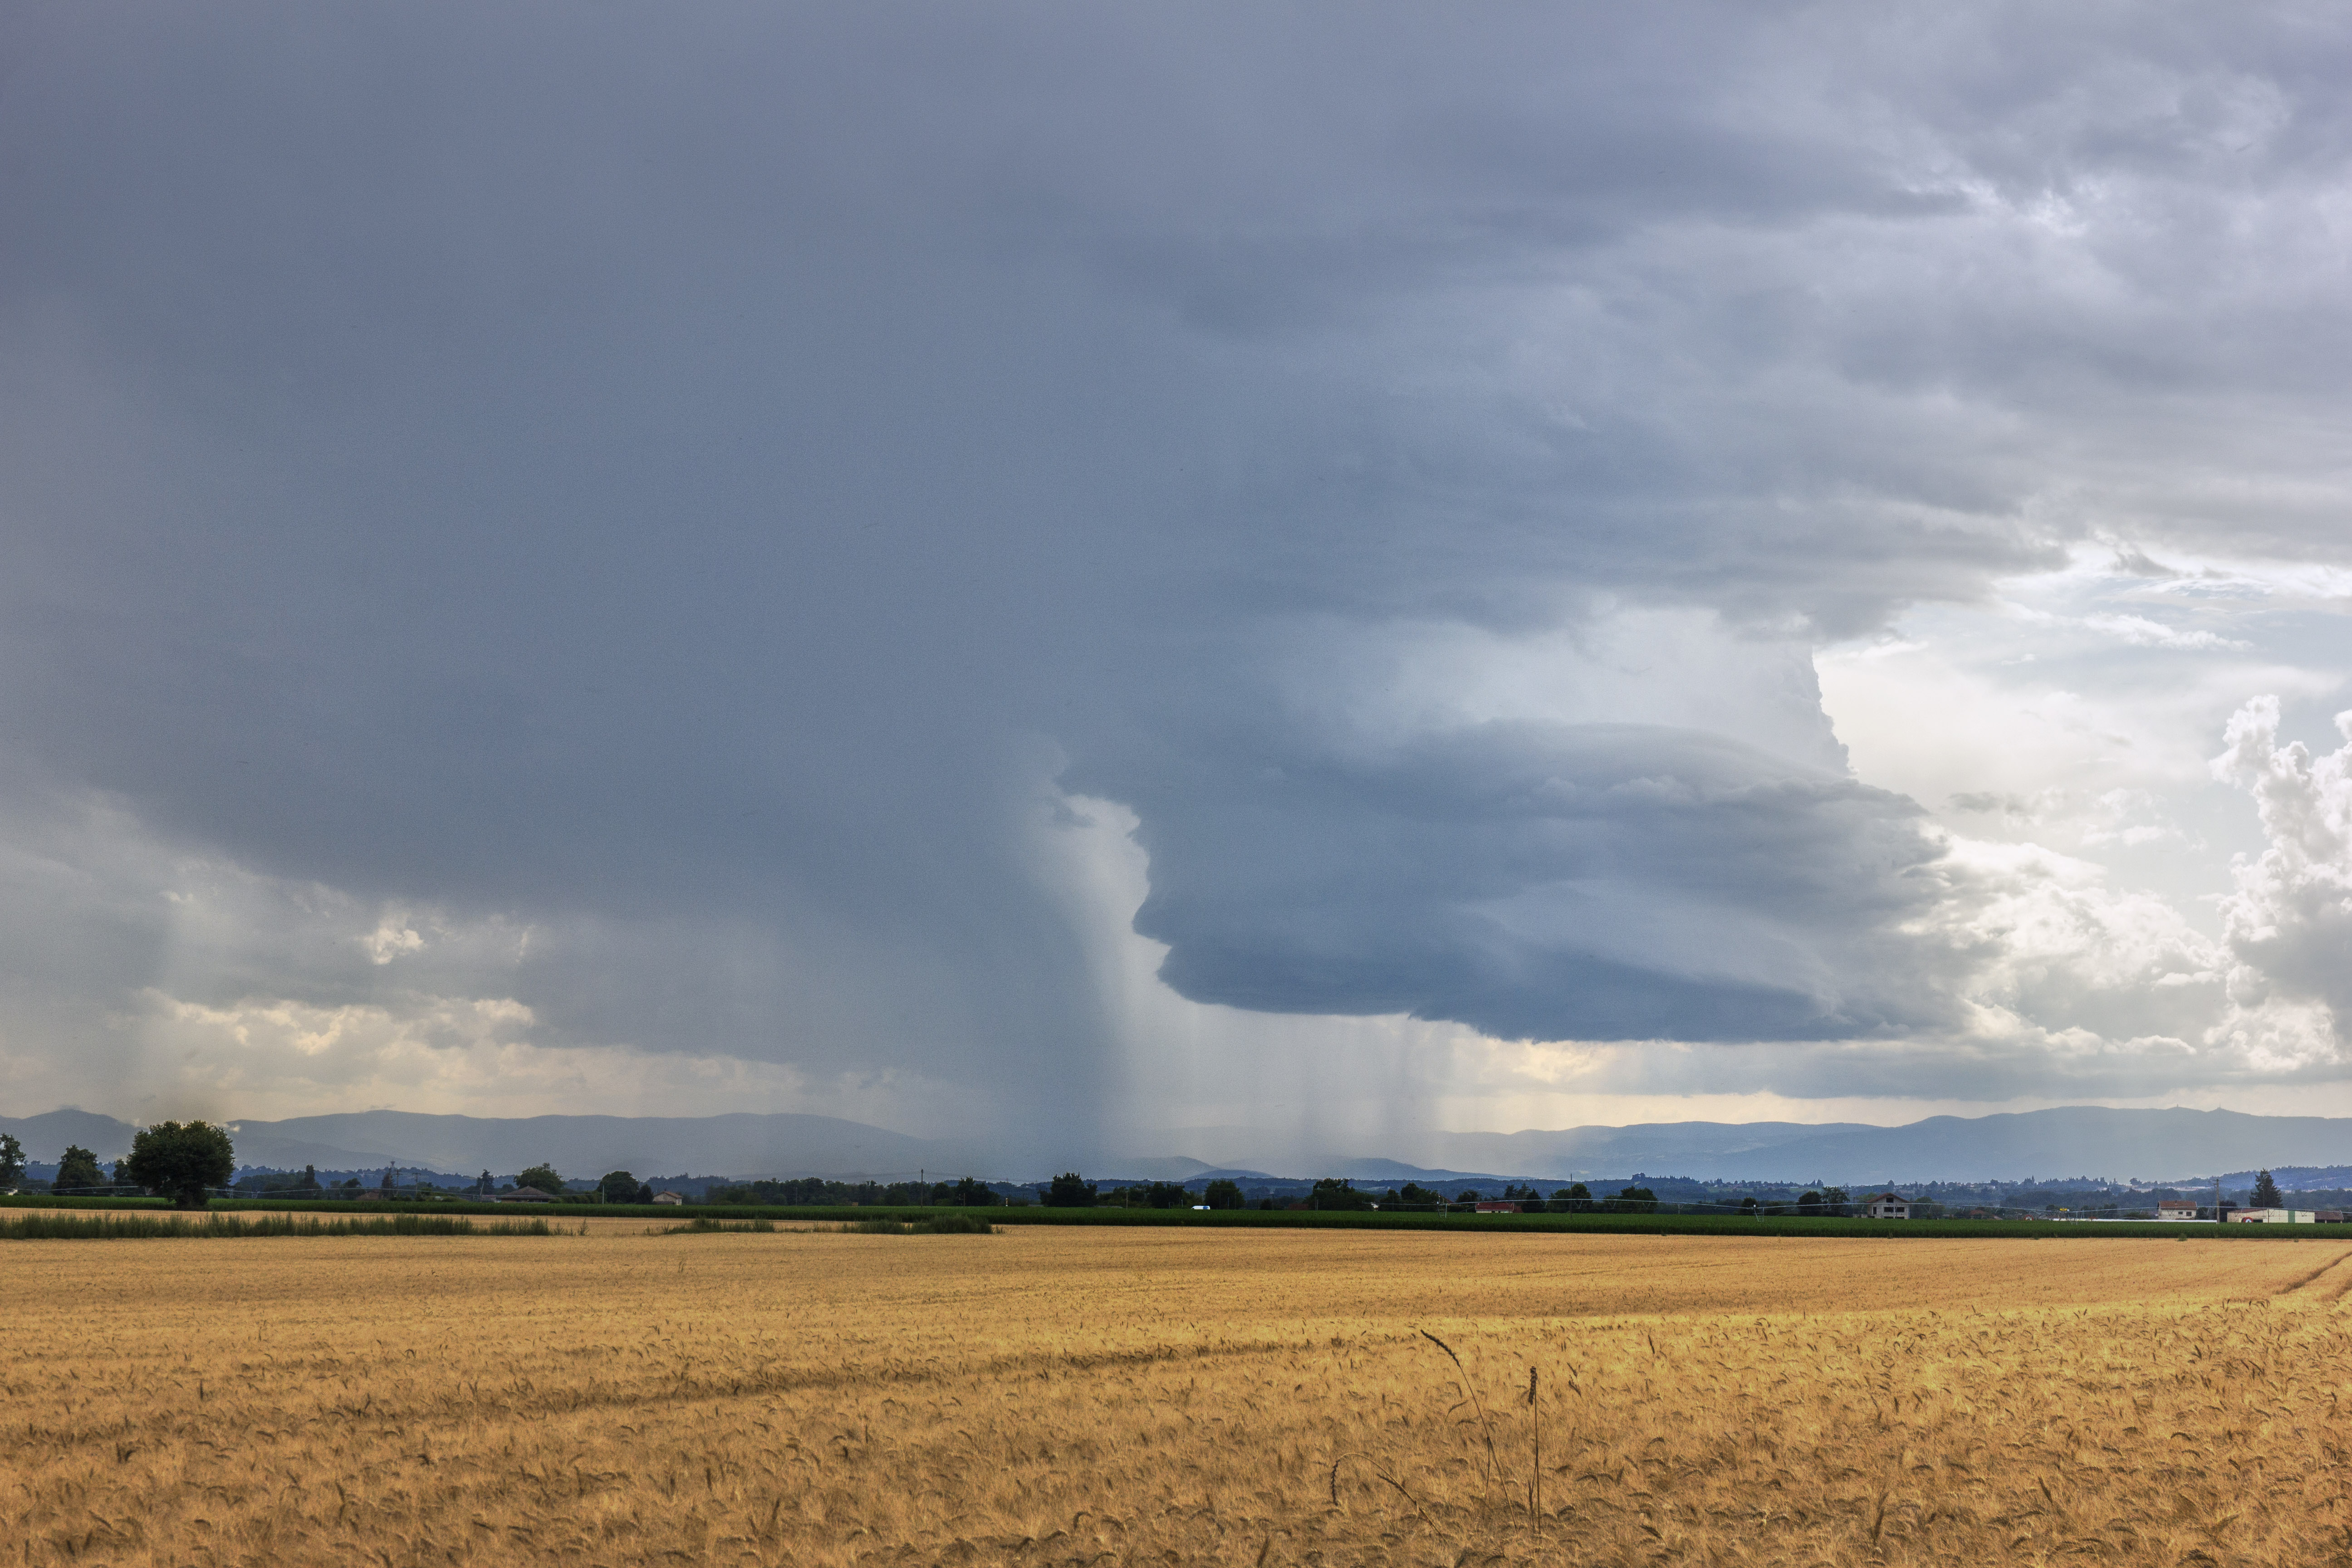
x,y
815,1192
183,1162
1070,1190
188,1163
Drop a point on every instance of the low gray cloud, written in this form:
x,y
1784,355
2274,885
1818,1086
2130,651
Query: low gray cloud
x,y
1564,882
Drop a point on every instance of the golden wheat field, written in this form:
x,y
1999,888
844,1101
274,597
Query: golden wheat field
x,y
1068,1395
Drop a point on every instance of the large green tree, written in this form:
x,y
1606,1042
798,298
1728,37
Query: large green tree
x,y
619,1187
543,1177
1634,1200
2266,1192
1332,1193
1163,1195
78,1170
1070,1191
1222,1194
12,1161
182,1161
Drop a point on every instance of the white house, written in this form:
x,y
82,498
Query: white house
x,y
2275,1217
2176,1208
1890,1205
671,1198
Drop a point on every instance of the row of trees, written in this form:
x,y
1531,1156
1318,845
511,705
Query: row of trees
x,y
1331,1194
186,1161
1831,1202
814,1191
181,1162
613,1186
1071,1191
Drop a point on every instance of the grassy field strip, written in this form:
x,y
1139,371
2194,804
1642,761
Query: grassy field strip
x,y
1252,1219
1081,1395
149,1226
487,1223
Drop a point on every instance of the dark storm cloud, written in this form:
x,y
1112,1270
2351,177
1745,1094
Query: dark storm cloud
x,y
681,478
1569,882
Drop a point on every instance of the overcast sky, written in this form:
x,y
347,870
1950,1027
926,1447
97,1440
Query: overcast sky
x,y
1229,580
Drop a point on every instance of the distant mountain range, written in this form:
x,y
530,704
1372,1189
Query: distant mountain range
x,y
2069,1141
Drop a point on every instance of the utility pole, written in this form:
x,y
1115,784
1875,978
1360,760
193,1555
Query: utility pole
x,y
1535,1489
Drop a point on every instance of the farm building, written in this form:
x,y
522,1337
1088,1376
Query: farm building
x,y
2176,1208
526,1195
1889,1205
1499,1206
2273,1216
671,1198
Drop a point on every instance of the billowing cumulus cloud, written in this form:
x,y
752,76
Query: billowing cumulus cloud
x,y
622,538
2289,920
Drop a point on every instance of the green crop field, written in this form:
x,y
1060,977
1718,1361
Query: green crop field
x,y
1281,1219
